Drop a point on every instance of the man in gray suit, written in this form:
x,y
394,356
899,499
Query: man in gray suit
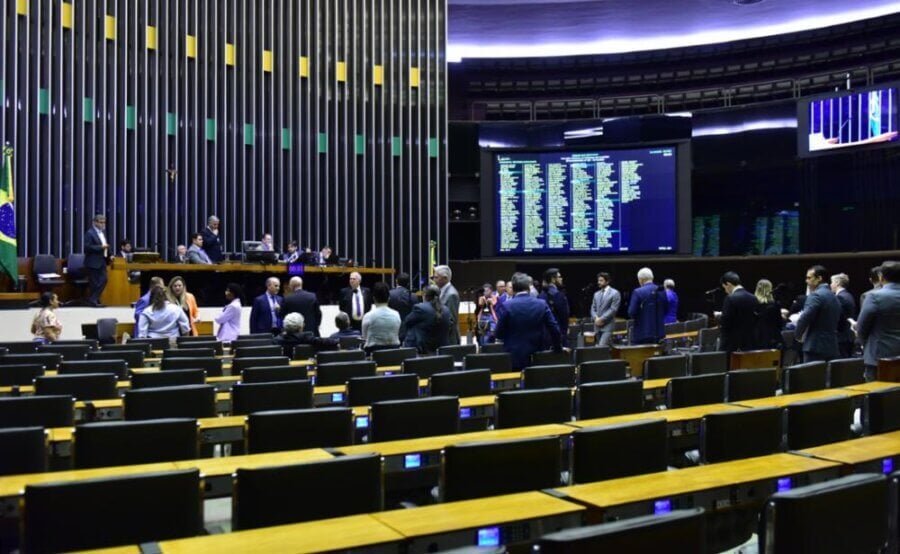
x,y
604,309
196,254
879,321
818,322
449,298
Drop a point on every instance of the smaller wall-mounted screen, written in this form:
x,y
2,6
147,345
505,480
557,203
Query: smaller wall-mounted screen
x,y
848,120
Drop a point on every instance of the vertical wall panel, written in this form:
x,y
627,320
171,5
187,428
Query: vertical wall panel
x,y
112,108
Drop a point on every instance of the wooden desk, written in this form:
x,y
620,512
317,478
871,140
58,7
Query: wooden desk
x,y
634,356
690,413
785,399
14,485
863,454
872,386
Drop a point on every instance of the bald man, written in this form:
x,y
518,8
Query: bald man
x,y
304,303
265,315
355,301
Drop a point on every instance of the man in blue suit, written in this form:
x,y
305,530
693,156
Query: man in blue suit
x,y
96,252
879,320
818,322
524,322
556,299
648,307
265,315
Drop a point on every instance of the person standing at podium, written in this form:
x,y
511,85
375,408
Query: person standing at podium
x,y
96,254
211,243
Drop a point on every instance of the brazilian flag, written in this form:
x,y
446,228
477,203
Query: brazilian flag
x,y
8,249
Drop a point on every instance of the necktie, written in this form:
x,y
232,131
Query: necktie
x,y
357,305
272,308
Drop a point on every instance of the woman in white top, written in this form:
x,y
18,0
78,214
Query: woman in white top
x,y
162,318
45,327
229,320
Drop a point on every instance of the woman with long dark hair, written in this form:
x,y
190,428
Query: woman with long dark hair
x,y
427,327
45,327
229,320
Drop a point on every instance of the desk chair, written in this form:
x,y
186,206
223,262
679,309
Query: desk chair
x,y
548,376
212,366
740,434
695,391
476,382
303,352
70,352
602,370
393,356
340,356
677,531
298,429
187,341
303,492
119,443
500,362
458,351
478,469
350,343
188,353
84,386
492,348
274,373
104,330
268,351
155,344
521,408
250,343
790,351
745,384
409,419
427,366
363,391
19,375
255,336
592,354
608,399
171,378
192,401
49,360
661,367
550,357
124,510
144,347
209,342
133,358
47,264
339,373
805,377
117,367
614,451
846,372
816,422
240,364
19,347
42,411
755,359
92,344
708,339
704,363
247,398
24,450
881,411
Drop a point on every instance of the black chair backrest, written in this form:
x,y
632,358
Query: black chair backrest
x,y
212,366
550,357
341,486
119,443
393,356
298,429
662,367
171,378
18,375
478,469
592,354
188,353
548,376
695,391
362,391
20,347
268,351
881,411
161,343
745,384
339,373
533,407
249,343
818,422
500,362
49,360
740,434
189,340
340,356
240,364
117,367
192,401
427,366
457,351
410,419
350,343
614,451
602,370
676,531
709,339
805,377
255,336
84,386
131,509
43,411
704,363
303,352
144,347
476,382
134,358
492,348
247,398
274,373
93,344
24,450
608,399
210,343
69,352
846,372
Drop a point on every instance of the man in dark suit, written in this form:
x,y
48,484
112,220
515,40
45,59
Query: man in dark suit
x,y
304,303
355,301
839,284
181,255
648,307
211,244
401,299
265,315
738,318
556,299
879,319
525,322
818,322
96,254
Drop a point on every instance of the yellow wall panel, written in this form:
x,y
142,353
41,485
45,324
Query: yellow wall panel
x,y
66,15
110,27
341,71
413,76
268,61
22,7
151,37
304,66
378,74
229,54
190,46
